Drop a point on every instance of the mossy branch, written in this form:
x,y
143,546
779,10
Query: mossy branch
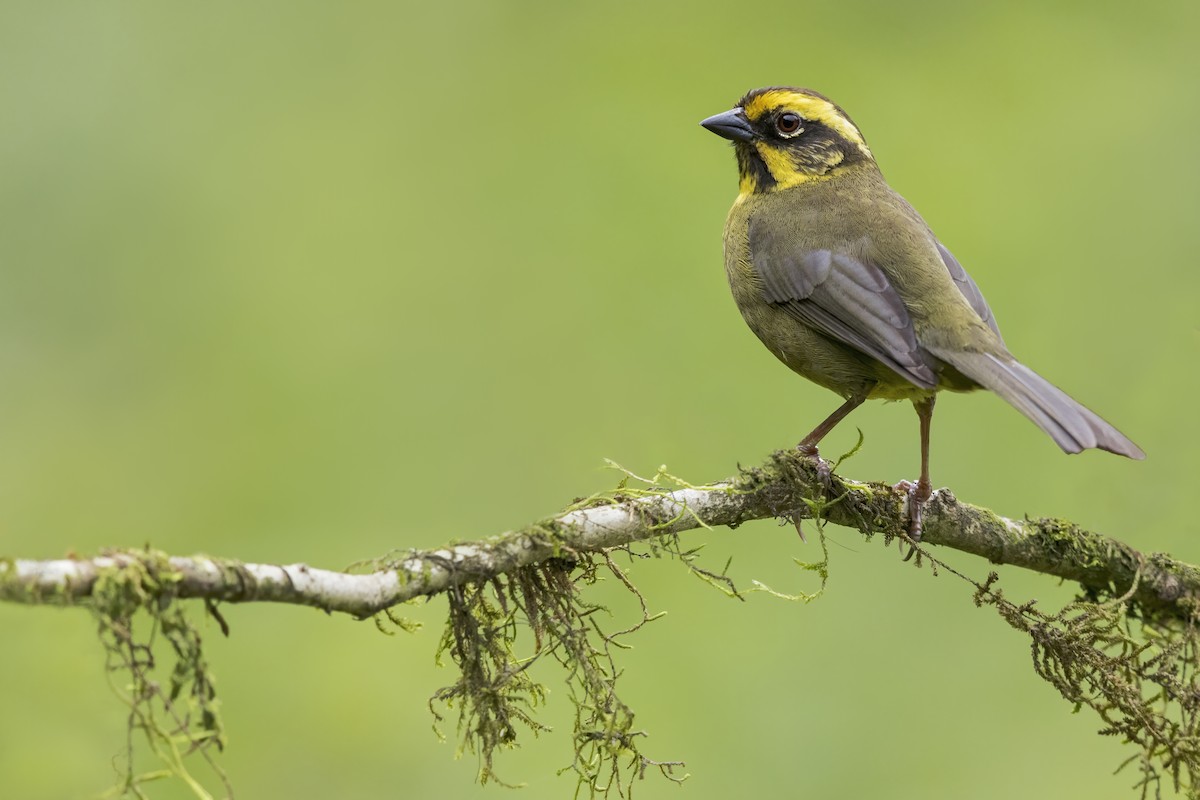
x,y
786,485
1128,648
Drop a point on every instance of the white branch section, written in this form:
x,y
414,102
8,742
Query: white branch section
x,y
783,486
423,573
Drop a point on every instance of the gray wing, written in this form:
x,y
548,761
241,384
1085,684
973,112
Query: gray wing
x,y
846,299
969,290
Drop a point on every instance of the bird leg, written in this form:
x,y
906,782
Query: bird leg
x,y
808,445
919,492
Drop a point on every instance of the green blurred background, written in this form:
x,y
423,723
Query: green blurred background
x,y
310,281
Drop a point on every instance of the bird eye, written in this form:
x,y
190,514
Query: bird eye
x,y
788,123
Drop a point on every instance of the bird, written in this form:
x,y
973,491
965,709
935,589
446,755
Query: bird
x,y
846,284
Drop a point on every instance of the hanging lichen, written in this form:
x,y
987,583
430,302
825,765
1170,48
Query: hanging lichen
x,y
140,621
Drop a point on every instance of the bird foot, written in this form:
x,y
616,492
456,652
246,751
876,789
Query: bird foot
x,y
824,470
918,495
824,475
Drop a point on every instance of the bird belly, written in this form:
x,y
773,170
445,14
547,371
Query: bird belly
x,y
806,351
835,366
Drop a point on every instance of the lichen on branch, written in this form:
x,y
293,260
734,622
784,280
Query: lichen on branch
x,y
784,486
1126,648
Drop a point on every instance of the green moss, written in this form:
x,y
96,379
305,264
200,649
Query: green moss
x,y
1067,542
1109,651
140,623
495,696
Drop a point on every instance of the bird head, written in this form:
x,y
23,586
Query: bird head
x,y
785,136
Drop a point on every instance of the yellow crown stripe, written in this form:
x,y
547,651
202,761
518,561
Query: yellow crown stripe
x,y
809,107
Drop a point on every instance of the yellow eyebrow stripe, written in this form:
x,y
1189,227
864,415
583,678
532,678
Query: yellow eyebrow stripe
x,y
809,107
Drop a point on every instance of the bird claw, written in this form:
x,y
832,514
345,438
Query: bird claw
x,y
918,495
823,467
824,475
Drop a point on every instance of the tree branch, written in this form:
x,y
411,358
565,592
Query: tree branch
x,y
787,485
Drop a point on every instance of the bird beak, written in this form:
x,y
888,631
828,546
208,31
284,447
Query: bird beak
x,y
731,125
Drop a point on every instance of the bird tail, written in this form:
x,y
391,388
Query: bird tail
x,y
1069,424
